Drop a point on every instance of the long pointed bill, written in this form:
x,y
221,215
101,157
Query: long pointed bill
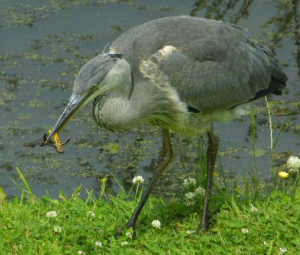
x,y
73,106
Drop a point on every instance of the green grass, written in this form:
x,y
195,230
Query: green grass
x,y
25,229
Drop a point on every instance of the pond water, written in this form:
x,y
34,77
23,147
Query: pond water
x,y
43,44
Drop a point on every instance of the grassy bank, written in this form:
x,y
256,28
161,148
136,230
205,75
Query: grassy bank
x,y
269,225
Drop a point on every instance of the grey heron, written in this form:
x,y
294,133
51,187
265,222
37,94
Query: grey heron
x,y
178,73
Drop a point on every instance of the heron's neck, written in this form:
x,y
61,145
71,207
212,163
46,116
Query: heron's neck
x,y
115,109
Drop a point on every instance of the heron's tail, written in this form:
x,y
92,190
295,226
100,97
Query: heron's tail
x,y
278,77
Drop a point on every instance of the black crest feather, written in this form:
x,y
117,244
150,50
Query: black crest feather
x,y
115,55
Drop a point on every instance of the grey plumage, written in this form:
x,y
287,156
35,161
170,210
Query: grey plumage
x,y
93,72
214,64
179,73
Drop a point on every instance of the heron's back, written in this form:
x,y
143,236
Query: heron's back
x,y
212,64
142,41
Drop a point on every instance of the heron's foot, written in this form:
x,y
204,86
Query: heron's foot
x,y
204,226
202,229
131,225
122,230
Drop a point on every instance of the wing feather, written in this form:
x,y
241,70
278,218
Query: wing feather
x,y
221,76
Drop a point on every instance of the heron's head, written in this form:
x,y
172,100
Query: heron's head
x,y
100,75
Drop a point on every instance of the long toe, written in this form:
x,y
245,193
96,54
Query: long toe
x,y
204,226
131,224
120,231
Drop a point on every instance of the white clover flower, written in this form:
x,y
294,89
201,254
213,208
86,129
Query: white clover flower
x,y
190,195
191,232
129,235
282,250
190,198
57,229
138,179
245,230
253,208
51,214
91,214
156,224
81,252
98,244
124,243
200,191
190,202
189,182
293,163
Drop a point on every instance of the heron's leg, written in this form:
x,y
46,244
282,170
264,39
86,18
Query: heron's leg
x,y
212,151
164,160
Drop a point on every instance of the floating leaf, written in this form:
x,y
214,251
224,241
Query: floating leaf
x,y
258,152
113,148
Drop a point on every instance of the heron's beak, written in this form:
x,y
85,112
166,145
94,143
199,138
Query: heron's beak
x,y
75,103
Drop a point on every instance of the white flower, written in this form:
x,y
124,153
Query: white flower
x,y
124,243
253,208
57,229
266,243
81,252
156,224
190,198
293,163
91,214
190,202
189,182
98,244
138,179
200,191
51,214
190,195
191,232
245,230
282,250
128,234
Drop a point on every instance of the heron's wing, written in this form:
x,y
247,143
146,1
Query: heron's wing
x,y
211,64
214,73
